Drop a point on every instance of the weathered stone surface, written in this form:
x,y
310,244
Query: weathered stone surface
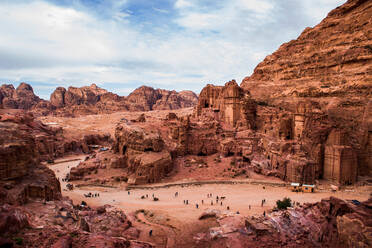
x,y
329,223
340,161
149,167
57,225
136,138
24,142
229,104
331,59
12,219
21,98
142,153
157,99
322,87
93,100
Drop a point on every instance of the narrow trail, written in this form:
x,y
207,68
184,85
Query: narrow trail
x,y
169,239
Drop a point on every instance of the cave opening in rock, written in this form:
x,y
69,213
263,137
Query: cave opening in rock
x,y
202,154
229,154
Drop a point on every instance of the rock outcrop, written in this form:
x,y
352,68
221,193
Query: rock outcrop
x,y
158,99
228,103
143,153
24,143
331,59
21,174
21,98
92,99
323,81
329,223
61,224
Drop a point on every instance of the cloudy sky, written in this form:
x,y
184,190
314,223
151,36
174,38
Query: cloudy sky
x,y
123,44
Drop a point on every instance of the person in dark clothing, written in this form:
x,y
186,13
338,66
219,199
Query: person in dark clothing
x,y
150,233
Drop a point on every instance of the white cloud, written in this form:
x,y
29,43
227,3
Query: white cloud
x,y
318,9
183,4
259,6
43,42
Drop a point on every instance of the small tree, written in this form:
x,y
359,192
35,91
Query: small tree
x,y
284,204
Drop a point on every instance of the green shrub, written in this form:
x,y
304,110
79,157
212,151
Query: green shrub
x,y
284,204
18,240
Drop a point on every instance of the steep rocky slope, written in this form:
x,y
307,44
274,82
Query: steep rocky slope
x,y
333,59
323,80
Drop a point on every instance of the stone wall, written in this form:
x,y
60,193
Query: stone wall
x,y
340,161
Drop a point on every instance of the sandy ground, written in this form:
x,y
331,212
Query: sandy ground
x,y
238,196
104,123
173,222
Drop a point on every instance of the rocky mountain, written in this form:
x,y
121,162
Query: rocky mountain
x,y
93,100
326,72
158,99
332,59
21,98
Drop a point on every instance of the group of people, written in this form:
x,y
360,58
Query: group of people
x,y
219,200
90,194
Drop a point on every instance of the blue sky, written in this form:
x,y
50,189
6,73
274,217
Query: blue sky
x,y
123,44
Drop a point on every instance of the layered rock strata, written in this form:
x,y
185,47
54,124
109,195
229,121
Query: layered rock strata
x,y
324,79
329,223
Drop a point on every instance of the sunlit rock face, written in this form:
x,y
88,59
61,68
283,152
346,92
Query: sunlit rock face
x,y
143,153
21,98
331,222
313,87
229,104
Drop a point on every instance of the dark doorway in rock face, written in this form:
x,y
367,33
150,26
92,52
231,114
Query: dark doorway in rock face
x,y
149,149
247,160
202,154
229,154
124,149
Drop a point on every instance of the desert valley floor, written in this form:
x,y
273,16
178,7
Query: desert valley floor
x,y
282,158
171,220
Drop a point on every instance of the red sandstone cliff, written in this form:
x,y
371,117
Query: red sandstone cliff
x,y
93,100
328,71
333,59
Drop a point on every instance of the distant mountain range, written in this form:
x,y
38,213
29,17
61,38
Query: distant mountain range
x,y
93,100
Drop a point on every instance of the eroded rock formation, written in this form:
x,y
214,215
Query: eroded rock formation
x,y
21,98
158,99
143,153
323,78
92,99
329,223
61,224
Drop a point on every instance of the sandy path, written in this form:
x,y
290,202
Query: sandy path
x,y
238,196
171,211
168,233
